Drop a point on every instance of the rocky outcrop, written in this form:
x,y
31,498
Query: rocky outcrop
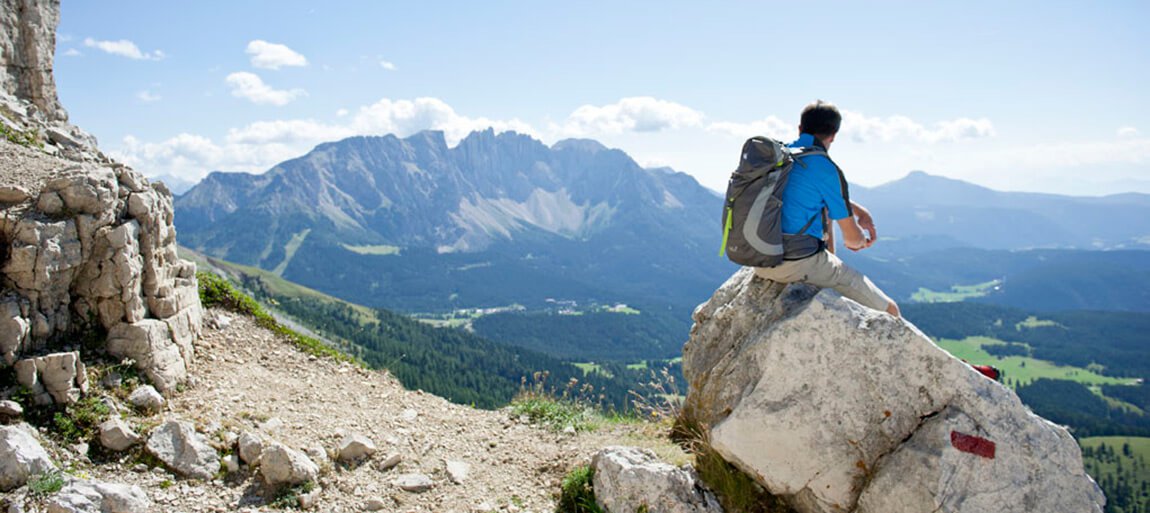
x,y
838,408
27,51
631,479
86,245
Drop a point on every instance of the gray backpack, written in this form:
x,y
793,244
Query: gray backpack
x,y
752,214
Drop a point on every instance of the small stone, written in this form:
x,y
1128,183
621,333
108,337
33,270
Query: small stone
x,y
375,504
181,448
458,471
415,483
146,398
271,425
317,454
309,500
569,430
81,449
282,465
117,435
112,380
354,447
10,411
250,445
390,462
409,415
232,463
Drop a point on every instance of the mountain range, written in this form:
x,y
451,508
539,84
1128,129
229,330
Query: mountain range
x,y
414,225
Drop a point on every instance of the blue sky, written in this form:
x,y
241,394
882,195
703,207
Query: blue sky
x,y
1043,96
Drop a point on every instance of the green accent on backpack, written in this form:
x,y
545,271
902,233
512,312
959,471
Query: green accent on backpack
x,y
726,231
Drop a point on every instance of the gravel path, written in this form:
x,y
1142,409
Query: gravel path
x,y
248,379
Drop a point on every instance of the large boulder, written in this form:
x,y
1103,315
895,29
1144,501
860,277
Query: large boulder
x,y
838,408
21,457
630,479
178,445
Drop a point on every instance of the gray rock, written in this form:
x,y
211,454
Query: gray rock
x,y
21,457
271,425
146,398
80,496
354,447
57,377
375,504
117,435
10,410
250,446
310,499
182,449
11,194
232,463
150,344
280,464
29,44
795,387
317,454
389,462
415,483
633,479
457,471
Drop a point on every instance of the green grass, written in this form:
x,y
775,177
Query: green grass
x,y
956,293
216,291
576,494
556,413
1034,322
289,251
1020,370
27,138
1123,470
378,250
592,367
48,483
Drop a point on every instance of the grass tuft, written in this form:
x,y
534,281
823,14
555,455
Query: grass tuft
x,y
736,491
576,493
48,483
288,497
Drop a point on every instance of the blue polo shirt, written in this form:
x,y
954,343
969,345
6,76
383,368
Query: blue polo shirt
x,y
811,187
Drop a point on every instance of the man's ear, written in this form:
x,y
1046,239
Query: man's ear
x,y
830,139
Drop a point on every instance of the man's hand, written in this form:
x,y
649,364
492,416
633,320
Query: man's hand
x,y
866,222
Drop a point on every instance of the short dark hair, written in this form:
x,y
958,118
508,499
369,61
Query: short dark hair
x,y
821,118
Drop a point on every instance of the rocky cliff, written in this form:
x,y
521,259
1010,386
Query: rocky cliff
x,y
87,246
838,408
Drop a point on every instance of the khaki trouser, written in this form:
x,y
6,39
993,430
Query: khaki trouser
x,y
826,270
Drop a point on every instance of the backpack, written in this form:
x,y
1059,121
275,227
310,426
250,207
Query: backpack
x,y
752,213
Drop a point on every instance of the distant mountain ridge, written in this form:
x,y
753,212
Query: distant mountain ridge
x,y
924,205
576,219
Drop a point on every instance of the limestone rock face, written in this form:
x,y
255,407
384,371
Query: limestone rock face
x,y
632,479
182,449
21,456
838,408
27,51
98,247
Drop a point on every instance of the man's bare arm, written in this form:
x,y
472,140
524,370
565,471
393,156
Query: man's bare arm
x,y
853,237
865,221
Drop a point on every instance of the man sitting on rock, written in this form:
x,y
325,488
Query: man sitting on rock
x,y
817,188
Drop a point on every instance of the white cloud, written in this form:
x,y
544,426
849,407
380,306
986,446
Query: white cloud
x,y
124,48
897,128
342,112
387,65
258,146
1128,131
770,126
72,52
634,114
251,87
273,55
148,96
